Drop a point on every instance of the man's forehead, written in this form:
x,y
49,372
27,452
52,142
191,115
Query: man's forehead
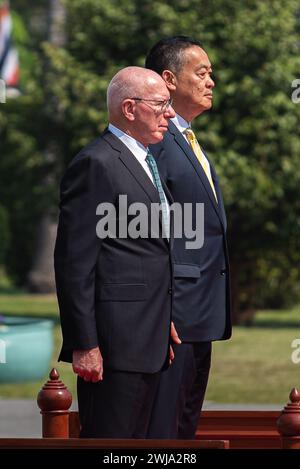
x,y
157,90
198,56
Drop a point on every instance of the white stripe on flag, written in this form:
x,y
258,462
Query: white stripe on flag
x,y
5,29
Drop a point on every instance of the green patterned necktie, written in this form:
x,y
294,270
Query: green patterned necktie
x,y
157,182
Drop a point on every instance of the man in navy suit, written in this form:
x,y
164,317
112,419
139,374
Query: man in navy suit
x,y
201,309
115,291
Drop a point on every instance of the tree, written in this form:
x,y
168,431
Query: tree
x,y
22,168
41,276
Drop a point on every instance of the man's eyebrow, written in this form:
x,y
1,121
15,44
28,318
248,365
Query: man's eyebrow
x,y
208,67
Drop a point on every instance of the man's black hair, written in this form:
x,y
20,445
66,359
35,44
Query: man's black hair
x,y
167,54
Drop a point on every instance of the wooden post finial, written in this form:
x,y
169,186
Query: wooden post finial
x,y
54,395
288,424
294,395
54,400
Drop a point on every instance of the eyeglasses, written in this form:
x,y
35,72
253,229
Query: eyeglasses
x,y
164,105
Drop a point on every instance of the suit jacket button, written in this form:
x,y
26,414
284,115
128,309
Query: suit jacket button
x,y
223,272
170,291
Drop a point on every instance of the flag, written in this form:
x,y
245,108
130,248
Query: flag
x,y
9,61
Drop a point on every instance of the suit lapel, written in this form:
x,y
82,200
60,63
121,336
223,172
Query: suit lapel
x,y
219,195
170,201
180,140
167,192
133,166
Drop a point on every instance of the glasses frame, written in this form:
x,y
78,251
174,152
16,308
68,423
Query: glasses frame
x,y
164,104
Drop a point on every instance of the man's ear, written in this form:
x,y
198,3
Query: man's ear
x,y
128,106
169,79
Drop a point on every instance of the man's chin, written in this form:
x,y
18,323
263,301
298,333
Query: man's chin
x,y
158,137
207,107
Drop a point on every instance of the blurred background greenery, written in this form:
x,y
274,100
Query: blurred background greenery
x,y
68,53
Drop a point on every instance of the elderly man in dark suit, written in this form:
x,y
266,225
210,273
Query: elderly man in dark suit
x,y
201,287
115,291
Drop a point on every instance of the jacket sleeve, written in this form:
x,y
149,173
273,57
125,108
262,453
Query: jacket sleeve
x,y
85,185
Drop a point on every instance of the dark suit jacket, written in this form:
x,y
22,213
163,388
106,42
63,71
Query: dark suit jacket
x,y
111,292
201,309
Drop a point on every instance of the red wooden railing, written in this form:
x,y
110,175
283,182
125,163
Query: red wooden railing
x,y
243,429
217,429
58,422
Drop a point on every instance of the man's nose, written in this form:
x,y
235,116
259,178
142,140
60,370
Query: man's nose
x,y
210,83
169,112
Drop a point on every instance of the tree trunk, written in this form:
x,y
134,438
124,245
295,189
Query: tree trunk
x,y
41,277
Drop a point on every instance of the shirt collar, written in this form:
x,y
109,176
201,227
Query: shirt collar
x,y
180,123
134,146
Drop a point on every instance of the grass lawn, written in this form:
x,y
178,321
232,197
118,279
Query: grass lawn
x,y
253,367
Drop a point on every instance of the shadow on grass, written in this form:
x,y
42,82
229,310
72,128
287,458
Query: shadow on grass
x,y
272,325
28,314
7,290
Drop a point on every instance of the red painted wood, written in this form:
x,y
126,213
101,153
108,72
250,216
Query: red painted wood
x,y
244,429
65,443
288,423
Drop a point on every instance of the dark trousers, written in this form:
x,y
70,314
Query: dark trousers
x,y
181,393
117,407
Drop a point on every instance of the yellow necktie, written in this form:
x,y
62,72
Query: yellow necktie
x,y
201,157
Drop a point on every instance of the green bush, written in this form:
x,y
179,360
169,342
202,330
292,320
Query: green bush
x,y
4,234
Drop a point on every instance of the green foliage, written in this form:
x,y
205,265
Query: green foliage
x,y
250,135
22,171
22,165
77,104
257,154
4,233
